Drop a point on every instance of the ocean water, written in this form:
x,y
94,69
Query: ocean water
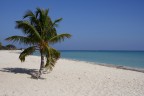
x,y
134,59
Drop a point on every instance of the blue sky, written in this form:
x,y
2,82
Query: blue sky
x,y
94,24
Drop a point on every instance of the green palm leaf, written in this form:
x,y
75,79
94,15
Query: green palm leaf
x,y
59,38
21,39
51,26
55,22
29,13
32,18
26,52
52,56
28,28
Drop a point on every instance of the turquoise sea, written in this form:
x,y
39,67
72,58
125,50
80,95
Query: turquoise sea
x,y
134,59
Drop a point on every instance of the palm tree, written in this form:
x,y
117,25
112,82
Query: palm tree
x,y
40,31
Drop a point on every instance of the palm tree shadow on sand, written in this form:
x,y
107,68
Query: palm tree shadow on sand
x,y
32,72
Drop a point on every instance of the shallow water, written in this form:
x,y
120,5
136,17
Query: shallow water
x,y
134,59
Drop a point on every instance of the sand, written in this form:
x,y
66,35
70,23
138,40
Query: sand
x,y
68,78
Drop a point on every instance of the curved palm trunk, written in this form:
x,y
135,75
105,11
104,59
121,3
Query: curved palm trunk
x,y
42,63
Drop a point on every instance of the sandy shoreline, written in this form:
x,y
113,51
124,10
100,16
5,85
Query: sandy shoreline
x,y
69,78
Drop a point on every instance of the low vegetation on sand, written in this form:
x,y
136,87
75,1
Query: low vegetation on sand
x,y
7,47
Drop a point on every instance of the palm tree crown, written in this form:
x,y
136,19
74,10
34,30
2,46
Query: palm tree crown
x,y
40,32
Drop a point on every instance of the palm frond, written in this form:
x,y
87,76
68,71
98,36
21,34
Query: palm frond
x,y
52,56
38,12
50,63
57,21
59,38
50,26
28,28
26,52
46,12
32,18
21,39
29,13
54,53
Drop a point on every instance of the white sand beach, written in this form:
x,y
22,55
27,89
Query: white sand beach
x,y
68,78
